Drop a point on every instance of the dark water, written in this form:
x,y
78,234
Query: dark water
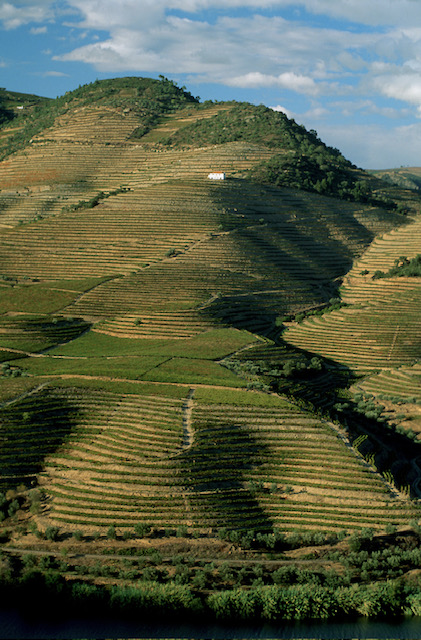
x,y
15,625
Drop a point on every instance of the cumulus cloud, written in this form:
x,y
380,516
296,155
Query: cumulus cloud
x,y
286,80
375,12
281,109
405,87
38,30
255,50
20,13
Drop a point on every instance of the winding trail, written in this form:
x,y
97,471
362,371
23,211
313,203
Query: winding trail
x,y
188,440
392,346
23,395
188,432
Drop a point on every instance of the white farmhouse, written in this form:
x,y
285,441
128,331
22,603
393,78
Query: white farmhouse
x,y
217,175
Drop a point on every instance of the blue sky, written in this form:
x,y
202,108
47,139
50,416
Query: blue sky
x,y
351,69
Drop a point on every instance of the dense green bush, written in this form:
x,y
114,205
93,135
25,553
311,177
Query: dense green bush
x,y
402,267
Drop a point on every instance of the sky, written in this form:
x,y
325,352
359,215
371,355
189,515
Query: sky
x,y
350,69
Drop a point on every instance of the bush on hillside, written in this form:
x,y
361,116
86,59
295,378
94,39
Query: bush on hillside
x,y
403,267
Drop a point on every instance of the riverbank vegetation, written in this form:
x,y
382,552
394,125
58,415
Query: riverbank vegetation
x,y
303,577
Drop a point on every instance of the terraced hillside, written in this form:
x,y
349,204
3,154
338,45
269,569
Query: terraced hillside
x,y
380,326
173,456
130,281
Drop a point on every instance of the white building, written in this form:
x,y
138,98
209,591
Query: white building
x,y
217,175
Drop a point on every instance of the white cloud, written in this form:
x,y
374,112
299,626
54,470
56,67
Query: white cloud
x,y
20,13
316,113
55,74
405,87
374,12
286,80
38,30
282,109
244,51
349,108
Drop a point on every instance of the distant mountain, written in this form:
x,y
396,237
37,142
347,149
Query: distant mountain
x,y
13,104
405,177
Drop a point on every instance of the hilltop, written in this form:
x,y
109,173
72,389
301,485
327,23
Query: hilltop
x,y
211,363
301,160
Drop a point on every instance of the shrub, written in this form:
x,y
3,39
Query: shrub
x,y
142,529
111,532
13,507
52,533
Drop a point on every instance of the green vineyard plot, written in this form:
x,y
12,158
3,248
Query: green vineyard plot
x,y
211,345
130,368
194,371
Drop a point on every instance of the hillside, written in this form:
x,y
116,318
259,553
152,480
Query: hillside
x,y
206,360
406,177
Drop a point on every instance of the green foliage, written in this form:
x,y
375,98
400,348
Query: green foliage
x,y
247,123
319,169
6,115
142,529
95,200
52,533
152,597
111,532
78,535
403,267
171,253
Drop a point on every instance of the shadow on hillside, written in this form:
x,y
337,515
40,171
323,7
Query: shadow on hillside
x,y
30,430
322,392
217,472
296,247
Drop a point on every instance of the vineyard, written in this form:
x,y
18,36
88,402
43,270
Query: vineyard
x,y
206,357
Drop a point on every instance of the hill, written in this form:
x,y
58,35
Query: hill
x,y
196,360
406,177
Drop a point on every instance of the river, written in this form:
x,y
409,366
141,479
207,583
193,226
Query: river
x,y
15,625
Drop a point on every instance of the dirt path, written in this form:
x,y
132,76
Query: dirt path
x,y
78,376
248,559
392,346
7,403
188,432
